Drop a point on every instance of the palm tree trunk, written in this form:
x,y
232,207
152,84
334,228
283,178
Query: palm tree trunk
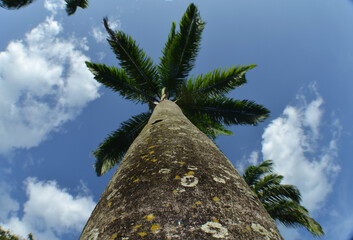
x,y
174,183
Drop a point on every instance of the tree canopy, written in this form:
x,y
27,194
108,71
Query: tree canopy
x,y
282,201
202,98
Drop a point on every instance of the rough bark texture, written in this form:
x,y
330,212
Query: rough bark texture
x,y
174,183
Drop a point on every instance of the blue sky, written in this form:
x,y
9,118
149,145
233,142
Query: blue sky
x,y
53,114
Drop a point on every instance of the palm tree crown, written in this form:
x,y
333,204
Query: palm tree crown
x,y
202,99
281,201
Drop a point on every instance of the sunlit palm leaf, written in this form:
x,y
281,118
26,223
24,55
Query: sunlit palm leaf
x,y
281,201
227,110
179,55
252,174
280,192
268,181
113,148
218,82
71,5
133,60
117,80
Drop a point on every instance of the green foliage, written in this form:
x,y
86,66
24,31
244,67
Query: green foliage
x,y
112,150
180,51
226,110
71,5
281,201
119,81
15,4
218,82
201,98
6,235
133,60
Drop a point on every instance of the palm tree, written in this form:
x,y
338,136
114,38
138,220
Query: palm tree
x,y
281,201
71,5
173,182
15,4
7,235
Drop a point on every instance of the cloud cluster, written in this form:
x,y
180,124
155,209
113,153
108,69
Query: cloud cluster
x,y
99,33
54,5
301,152
49,212
43,83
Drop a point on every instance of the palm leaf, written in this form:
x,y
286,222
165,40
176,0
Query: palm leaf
x,y
281,201
113,148
117,80
71,5
226,110
218,82
252,174
280,192
211,129
293,214
287,212
133,60
15,4
181,51
163,67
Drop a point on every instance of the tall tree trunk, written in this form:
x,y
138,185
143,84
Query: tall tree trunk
x,y
174,183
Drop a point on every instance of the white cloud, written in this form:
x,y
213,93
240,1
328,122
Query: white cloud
x,y
49,212
8,207
292,141
54,5
99,33
253,158
43,83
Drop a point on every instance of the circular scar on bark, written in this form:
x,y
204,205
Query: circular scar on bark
x,y
189,181
216,229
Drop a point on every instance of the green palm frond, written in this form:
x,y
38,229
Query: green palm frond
x,y
281,201
218,82
252,174
113,148
133,60
15,4
279,192
163,67
267,181
314,227
208,127
293,214
118,80
181,50
71,5
227,110
287,212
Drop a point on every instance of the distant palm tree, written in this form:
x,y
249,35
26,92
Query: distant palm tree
x,y
71,5
281,201
173,182
7,235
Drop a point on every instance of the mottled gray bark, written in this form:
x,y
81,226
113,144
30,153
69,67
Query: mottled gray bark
x,y
174,183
